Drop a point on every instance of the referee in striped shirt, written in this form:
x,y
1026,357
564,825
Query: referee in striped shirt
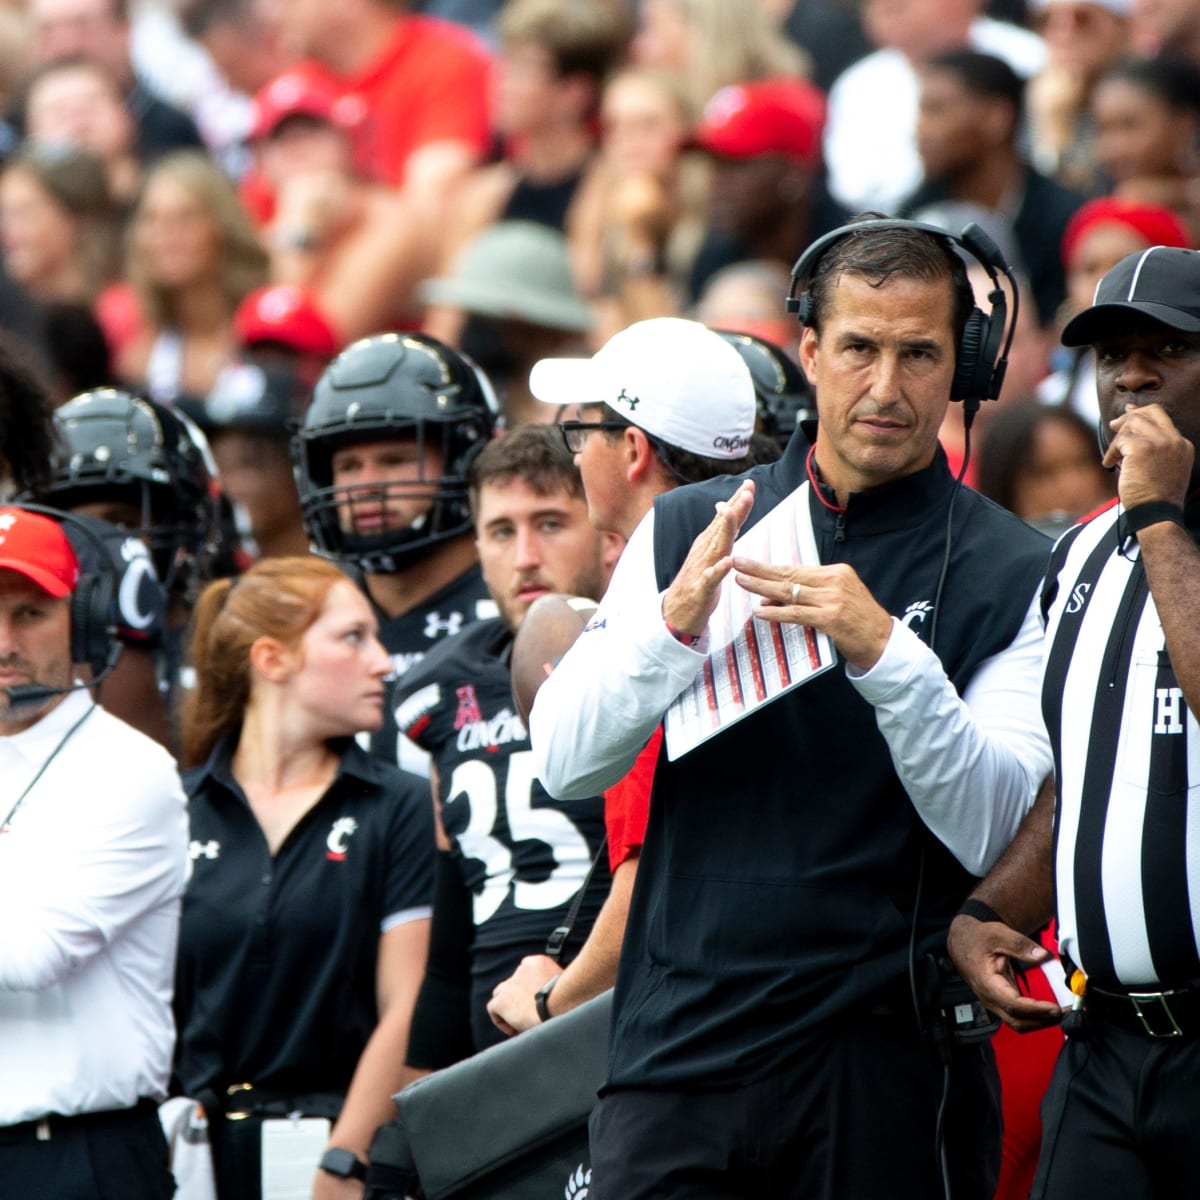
x,y
1114,847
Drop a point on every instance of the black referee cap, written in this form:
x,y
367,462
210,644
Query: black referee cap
x,y
1162,283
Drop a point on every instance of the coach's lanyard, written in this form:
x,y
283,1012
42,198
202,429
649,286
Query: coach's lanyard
x,y
66,737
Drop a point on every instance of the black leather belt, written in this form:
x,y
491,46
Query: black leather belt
x,y
1170,1014
246,1100
52,1125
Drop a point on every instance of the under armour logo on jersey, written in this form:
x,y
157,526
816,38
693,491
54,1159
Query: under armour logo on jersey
x,y
1078,598
210,849
1168,710
335,843
7,522
630,402
916,613
468,706
436,626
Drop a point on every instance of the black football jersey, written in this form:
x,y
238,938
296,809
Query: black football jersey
x,y
408,638
522,854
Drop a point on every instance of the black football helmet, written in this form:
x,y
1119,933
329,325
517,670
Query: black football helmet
x,y
118,447
784,395
402,386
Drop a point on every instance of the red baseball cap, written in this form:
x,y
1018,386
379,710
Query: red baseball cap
x,y
36,547
776,116
301,93
286,314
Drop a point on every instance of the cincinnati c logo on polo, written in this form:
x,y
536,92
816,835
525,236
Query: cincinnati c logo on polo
x,y
335,843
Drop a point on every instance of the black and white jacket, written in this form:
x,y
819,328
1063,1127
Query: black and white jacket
x,y
780,873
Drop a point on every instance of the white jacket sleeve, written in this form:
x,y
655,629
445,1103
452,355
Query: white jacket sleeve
x,y
600,705
972,765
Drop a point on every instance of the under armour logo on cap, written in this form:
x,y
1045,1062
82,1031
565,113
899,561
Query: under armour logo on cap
x,y
630,402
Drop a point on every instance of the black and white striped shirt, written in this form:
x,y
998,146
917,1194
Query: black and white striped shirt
x,y
1127,755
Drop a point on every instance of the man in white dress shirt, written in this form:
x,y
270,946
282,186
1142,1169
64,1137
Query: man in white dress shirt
x,y
93,861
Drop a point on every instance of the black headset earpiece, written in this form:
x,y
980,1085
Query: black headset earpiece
x,y
980,363
93,614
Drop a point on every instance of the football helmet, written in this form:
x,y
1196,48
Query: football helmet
x,y
116,447
393,387
784,395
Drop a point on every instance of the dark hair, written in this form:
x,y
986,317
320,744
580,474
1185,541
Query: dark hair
x,y
277,598
684,465
1175,81
1008,442
79,352
534,453
984,75
582,39
27,430
197,17
77,182
879,255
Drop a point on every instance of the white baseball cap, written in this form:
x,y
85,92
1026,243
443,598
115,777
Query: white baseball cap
x,y
675,379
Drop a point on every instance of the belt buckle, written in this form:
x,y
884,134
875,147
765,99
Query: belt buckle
x,y
1153,1001
237,1114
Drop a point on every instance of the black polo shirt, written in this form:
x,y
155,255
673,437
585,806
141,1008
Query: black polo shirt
x,y
275,984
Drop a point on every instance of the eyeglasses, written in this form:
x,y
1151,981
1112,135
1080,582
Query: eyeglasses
x,y
575,433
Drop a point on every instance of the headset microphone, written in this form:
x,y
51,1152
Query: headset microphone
x,y
21,694
93,627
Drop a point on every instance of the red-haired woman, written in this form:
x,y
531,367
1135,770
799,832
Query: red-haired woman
x,y
306,921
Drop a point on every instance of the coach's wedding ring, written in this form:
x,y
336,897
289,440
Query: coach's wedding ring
x,y
795,592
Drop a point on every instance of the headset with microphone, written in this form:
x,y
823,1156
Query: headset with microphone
x,y
92,612
980,361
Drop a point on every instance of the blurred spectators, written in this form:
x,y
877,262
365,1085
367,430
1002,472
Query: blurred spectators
x,y
348,242
1098,236
1167,27
99,30
1084,38
1044,465
508,301
281,324
747,297
77,102
642,219
58,224
193,257
767,198
709,44
248,418
554,57
967,128
244,47
422,86
1147,114
870,140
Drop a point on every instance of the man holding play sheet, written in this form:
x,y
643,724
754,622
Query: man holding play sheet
x,y
779,992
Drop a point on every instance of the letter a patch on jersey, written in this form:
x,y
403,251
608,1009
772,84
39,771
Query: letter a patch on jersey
x,y
468,706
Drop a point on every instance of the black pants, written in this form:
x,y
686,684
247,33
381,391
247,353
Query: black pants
x,y
110,1156
854,1117
1119,1119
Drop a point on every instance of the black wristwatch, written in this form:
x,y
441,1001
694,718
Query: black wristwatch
x,y
541,998
345,1164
